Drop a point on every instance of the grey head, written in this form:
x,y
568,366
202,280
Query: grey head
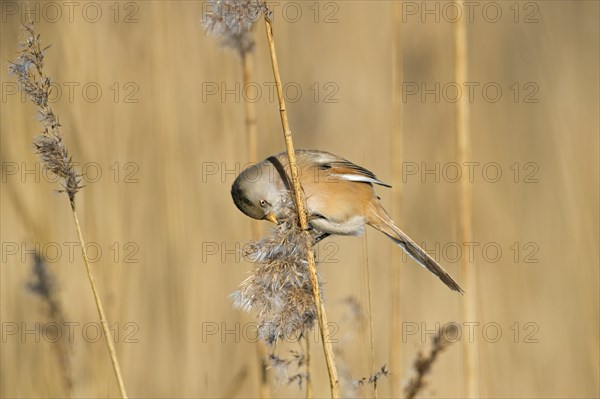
x,y
257,191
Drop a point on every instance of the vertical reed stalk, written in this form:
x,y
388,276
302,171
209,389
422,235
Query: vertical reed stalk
x,y
469,305
309,387
250,108
397,198
107,334
251,142
370,305
300,208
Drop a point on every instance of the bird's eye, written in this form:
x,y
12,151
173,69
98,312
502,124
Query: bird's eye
x,y
263,203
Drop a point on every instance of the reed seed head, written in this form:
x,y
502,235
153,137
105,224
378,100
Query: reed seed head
x,y
232,22
280,290
28,67
54,156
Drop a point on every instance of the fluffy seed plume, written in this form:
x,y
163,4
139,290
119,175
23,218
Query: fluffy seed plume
x,y
28,67
232,21
279,290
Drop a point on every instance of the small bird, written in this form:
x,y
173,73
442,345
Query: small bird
x,y
340,199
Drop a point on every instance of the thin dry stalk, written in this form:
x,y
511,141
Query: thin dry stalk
x,y
423,364
309,387
469,270
300,208
232,21
103,319
397,199
370,305
251,141
49,145
250,109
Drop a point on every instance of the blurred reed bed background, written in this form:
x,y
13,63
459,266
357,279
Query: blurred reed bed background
x,y
170,237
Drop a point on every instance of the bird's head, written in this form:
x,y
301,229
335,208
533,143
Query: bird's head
x,y
256,192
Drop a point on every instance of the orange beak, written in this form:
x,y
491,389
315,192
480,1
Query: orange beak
x,y
271,218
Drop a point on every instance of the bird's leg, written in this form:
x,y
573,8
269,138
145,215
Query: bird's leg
x,y
321,237
318,235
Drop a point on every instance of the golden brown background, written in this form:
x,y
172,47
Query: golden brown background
x,y
165,206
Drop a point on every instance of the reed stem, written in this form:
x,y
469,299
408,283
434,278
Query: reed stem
x,y
107,334
251,141
468,269
250,108
309,386
397,199
370,306
300,208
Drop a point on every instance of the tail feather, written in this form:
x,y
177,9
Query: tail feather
x,y
383,223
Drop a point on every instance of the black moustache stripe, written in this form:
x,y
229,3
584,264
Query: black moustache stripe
x,y
281,170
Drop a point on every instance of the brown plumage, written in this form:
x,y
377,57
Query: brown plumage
x,y
340,199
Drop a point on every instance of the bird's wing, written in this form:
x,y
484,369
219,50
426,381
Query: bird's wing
x,y
346,170
338,167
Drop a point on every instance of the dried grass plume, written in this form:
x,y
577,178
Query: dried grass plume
x,y
280,290
232,21
28,68
424,363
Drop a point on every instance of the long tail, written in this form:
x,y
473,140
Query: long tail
x,y
382,222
